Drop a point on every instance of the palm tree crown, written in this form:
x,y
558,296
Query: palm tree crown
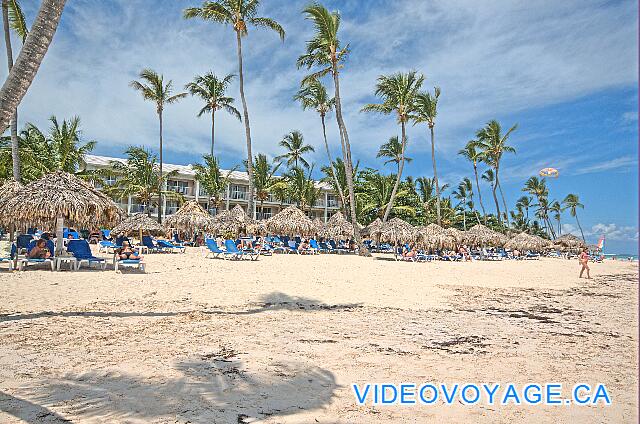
x,y
392,150
294,144
313,95
153,88
212,90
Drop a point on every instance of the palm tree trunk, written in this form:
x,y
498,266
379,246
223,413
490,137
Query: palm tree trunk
x,y
347,160
399,176
333,169
475,172
15,154
160,180
213,129
435,174
247,128
580,227
495,196
504,203
33,51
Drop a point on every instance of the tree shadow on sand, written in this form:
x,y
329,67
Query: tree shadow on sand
x,y
270,302
212,388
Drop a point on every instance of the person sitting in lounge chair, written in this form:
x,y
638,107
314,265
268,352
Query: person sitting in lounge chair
x,y
304,247
127,252
409,253
463,252
39,251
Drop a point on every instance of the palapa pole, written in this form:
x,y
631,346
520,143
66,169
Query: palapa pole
x,y
59,234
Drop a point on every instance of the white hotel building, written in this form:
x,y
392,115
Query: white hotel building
x,y
185,183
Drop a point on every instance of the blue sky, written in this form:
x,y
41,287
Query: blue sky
x,y
566,72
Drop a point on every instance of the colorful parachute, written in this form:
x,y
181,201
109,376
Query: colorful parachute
x,y
549,173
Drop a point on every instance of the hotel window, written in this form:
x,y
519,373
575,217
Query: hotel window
x,y
238,192
264,213
172,207
332,202
181,187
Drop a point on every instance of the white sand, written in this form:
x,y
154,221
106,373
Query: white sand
x,y
282,339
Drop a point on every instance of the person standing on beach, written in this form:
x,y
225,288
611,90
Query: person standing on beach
x,y
584,261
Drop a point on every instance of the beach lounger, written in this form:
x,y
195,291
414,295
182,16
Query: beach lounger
x,y
170,247
292,247
23,262
11,259
532,256
314,245
131,263
82,252
147,242
105,245
178,242
212,249
234,253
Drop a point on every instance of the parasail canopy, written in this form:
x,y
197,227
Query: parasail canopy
x,y
549,172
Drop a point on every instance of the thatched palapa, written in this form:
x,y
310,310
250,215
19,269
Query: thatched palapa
x,y
374,229
190,218
397,231
234,221
290,221
337,226
138,224
523,242
432,236
8,190
60,195
480,235
319,226
570,241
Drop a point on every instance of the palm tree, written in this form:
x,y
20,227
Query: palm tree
x,y
294,144
211,179
325,51
556,208
313,95
472,155
524,203
140,178
336,175
239,14
374,192
60,149
493,145
392,149
538,188
426,111
155,90
299,187
26,66
572,202
13,19
264,178
398,93
212,90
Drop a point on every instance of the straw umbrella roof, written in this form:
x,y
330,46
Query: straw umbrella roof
x,y
432,236
397,230
60,194
338,226
139,222
455,234
570,241
479,234
524,241
190,217
319,225
290,221
373,229
234,221
9,189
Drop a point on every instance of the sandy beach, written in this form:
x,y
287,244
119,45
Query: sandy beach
x,y
282,340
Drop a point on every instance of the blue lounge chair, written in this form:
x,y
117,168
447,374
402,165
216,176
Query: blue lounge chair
x,y
213,249
82,252
234,252
338,249
314,245
178,242
291,247
12,256
137,263
105,245
106,234
147,242
22,262
170,247
22,243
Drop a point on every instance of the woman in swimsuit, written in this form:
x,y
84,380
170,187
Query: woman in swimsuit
x,y
583,258
126,252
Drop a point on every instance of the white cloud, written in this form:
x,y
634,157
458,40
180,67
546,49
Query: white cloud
x,y
490,58
610,231
621,163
